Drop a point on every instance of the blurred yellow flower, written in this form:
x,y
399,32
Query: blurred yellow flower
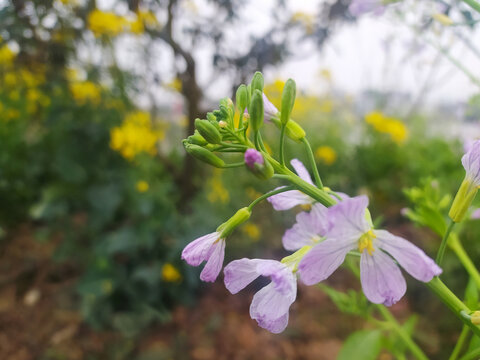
x,y
326,74
442,19
252,193
6,55
85,91
217,192
142,186
143,19
326,154
175,84
307,20
170,273
135,135
252,231
388,125
106,23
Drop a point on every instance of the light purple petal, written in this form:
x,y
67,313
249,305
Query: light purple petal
x,y
359,7
475,215
324,258
269,110
240,273
289,199
410,257
274,326
283,279
269,305
215,262
308,229
301,170
471,163
348,219
253,157
382,280
198,250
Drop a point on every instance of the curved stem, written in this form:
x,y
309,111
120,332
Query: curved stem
x,y
472,355
271,193
443,244
282,145
313,164
459,345
414,348
457,247
473,4
233,165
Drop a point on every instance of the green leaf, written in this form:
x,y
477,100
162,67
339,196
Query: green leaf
x,y
362,345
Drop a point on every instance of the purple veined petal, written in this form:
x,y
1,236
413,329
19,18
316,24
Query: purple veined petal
x,y
348,218
284,281
240,273
471,162
215,262
301,170
323,259
274,326
269,110
308,229
198,250
289,199
409,256
382,281
269,305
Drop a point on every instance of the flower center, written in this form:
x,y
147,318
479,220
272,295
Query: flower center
x,y
366,242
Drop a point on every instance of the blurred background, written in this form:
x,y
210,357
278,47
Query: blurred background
x,y
98,197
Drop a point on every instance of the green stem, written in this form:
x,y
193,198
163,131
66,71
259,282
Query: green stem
x,y
414,348
443,244
472,355
267,195
233,165
457,247
233,145
452,302
313,164
473,4
282,145
460,342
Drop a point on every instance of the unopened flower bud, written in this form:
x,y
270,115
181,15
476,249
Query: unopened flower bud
x,y
257,82
258,165
222,124
242,97
269,110
288,100
239,218
208,131
197,139
475,318
204,155
292,130
256,110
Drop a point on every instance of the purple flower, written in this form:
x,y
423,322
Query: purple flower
x,y
269,110
253,157
209,248
381,278
471,163
309,229
289,199
360,7
271,304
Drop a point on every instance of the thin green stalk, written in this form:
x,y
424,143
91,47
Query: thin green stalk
x,y
457,247
233,145
472,355
233,165
473,4
443,244
452,302
282,145
414,348
313,164
460,342
267,195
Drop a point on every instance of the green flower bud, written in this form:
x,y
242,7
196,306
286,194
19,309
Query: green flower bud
x,y
239,218
204,155
288,100
465,195
292,130
257,82
197,139
256,110
242,97
208,131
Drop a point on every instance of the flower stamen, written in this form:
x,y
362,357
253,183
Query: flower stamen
x,y
366,242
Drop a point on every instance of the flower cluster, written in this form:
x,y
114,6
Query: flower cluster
x,y
388,125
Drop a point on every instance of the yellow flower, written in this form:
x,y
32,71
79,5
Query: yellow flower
x,y
217,192
170,273
106,23
85,91
142,186
388,125
136,135
326,154
143,19
252,231
307,20
6,55
175,84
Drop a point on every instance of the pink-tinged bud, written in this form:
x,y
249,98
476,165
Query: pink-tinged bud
x,y
253,157
269,110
